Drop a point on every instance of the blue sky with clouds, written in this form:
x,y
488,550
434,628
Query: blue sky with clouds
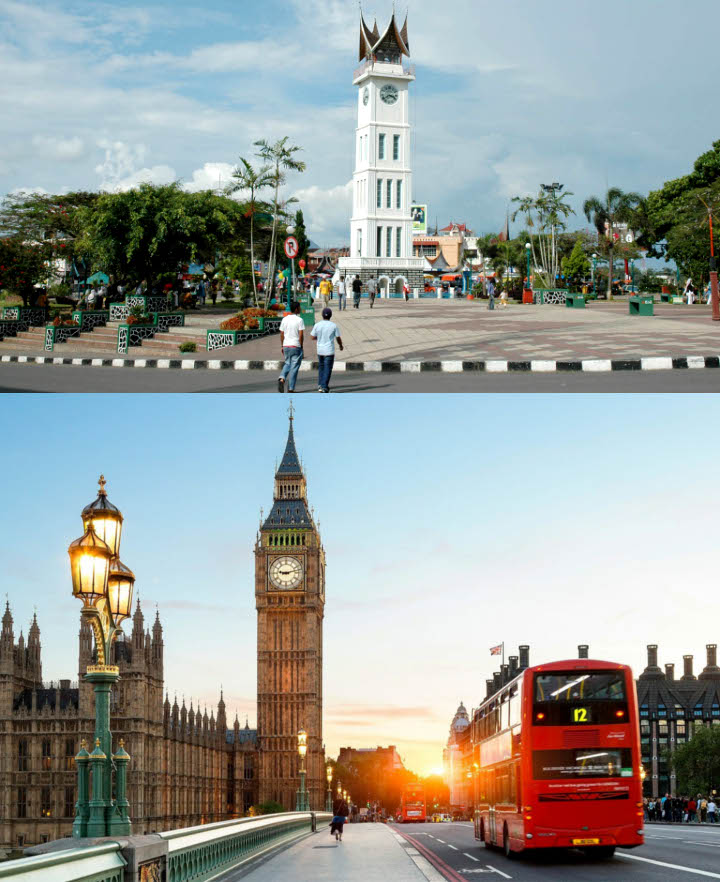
x,y
508,95
450,523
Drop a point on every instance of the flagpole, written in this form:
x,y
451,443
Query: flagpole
x,y
503,655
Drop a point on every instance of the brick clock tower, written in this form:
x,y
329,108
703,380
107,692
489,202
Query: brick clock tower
x,y
290,602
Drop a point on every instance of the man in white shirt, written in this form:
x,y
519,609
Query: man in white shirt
x,y
342,294
292,333
326,333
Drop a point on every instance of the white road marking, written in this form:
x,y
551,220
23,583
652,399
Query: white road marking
x,y
701,842
465,854
440,840
452,846
412,851
634,857
499,872
427,869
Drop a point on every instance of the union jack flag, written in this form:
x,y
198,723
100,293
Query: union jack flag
x,y
496,650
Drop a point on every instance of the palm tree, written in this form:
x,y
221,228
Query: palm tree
x,y
616,207
252,180
280,157
545,213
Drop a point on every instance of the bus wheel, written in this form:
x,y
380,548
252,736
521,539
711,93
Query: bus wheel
x,y
482,835
507,851
600,852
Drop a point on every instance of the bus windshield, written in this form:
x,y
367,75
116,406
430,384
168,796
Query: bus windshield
x,y
560,686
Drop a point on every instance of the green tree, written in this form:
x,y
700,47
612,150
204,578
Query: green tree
x,y
22,266
281,158
576,266
301,235
268,808
615,207
145,232
252,181
697,762
545,219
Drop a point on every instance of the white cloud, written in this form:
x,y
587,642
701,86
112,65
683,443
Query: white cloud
x,y
326,212
59,148
212,176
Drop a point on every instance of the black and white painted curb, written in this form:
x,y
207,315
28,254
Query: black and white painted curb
x,y
595,365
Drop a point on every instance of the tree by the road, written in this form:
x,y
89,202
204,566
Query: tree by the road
x,y
614,207
576,266
252,181
22,266
281,157
545,216
697,762
141,233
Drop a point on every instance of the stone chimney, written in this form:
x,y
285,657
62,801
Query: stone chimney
x,y
711,670
687,668
489,688
669,672
504,674
652,670
524,656
513,666
497,681
583,650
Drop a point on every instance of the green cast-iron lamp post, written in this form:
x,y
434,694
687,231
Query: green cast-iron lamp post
x,y
328,801
301,802
595,258
105,587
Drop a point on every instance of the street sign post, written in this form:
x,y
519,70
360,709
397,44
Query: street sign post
x,y
291,251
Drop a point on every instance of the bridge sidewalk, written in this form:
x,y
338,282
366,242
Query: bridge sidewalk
x,y
368,853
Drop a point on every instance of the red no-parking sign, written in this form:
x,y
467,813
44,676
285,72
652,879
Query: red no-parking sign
x,y
291,247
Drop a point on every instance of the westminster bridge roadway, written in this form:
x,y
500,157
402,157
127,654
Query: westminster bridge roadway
x,y
298,847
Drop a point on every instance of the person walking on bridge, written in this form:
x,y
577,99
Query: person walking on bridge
x,y
340,814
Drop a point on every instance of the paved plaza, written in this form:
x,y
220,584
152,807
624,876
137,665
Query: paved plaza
x,y
457,330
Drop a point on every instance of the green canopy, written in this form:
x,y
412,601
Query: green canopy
x,y
99,277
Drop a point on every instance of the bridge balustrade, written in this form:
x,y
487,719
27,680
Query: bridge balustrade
x,y
192,854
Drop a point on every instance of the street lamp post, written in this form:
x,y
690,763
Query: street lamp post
x,y
528,250
594,274
105,587
328,801
301,801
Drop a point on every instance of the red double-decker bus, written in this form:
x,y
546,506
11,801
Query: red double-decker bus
x,y
412,807
557,760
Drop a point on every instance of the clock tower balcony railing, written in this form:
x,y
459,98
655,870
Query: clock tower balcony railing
x,y
375,65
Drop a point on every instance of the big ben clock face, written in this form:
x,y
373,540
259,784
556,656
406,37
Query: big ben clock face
x,y
286,572
389,94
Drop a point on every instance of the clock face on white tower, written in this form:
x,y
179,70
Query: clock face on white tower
x,y
286,572
389,94
366,96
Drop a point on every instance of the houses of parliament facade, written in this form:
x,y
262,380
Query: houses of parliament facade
x,y
186,767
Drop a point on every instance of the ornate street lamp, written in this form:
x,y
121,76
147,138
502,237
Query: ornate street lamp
x,y
328,801
301,802
595,258
105,587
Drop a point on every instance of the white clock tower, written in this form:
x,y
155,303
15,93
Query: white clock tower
x,y
381,223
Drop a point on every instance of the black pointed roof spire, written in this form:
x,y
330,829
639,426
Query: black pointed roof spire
x,y
290,463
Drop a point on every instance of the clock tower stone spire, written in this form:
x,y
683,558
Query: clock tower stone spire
x,y
381,225
290,603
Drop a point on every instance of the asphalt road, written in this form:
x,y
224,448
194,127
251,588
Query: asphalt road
x,y
673,852
70,378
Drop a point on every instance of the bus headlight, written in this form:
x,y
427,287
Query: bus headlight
x,y
528,836
640,832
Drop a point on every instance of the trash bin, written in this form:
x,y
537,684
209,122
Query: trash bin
x,y
641,306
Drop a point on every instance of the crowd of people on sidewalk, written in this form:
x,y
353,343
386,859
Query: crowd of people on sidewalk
x,y
325,289
681,809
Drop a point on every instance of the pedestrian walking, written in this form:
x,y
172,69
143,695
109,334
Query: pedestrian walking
x,y
325,291
340,814
703,809
406,291
357,292
326,333
689,292
491,294
292,333
201,292
342,294
691,809
372,291
711,810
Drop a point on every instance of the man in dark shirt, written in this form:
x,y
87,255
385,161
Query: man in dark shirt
x,y
357,291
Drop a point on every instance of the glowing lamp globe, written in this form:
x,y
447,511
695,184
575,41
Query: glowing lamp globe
x,y
302,742
329,775
121,582
89,566
105,519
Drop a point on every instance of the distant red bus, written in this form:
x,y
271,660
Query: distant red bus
x,y
557,759
412,807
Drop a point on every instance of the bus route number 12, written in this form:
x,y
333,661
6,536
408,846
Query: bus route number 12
x,y
580,715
